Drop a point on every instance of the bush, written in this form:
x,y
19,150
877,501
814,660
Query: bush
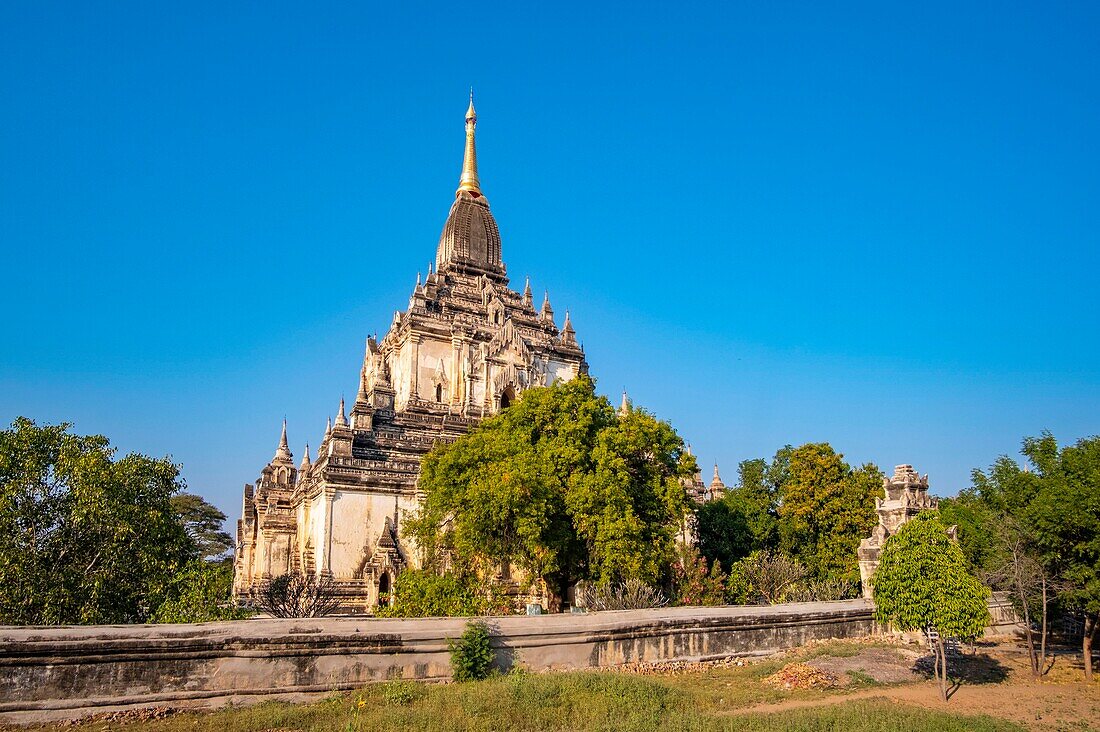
x,y
765,577
422,593
693,584
630,595
198,594
821,590
299,596
472,654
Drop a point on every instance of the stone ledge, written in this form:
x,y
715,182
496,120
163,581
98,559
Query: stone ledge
x,y
53,672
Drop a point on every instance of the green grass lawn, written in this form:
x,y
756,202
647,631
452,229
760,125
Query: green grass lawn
x,y
570,701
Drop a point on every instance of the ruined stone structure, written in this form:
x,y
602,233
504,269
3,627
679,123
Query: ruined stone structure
x,y
906,495
466,347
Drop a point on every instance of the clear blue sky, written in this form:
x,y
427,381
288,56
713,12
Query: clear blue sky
x,y
773,222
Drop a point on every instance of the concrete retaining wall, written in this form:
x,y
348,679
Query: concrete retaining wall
x,y
51,672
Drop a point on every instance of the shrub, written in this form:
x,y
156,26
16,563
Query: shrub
x,y
821,590
630,595
693,584
765,577
199,593
422,593
472,653
298,596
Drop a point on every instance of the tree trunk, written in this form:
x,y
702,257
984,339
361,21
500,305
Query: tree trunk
x,y
1035,665
1043,647
942,652
1091,627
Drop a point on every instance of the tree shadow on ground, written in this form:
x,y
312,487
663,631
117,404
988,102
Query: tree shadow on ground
x,y
965,668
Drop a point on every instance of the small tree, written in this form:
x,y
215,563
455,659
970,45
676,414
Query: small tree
x,y
922,583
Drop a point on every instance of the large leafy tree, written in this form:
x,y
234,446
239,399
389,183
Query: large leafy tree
x,y
1065,516
826,508
743,520
560,485
998,537
922,583
85,537
204,523
1034,533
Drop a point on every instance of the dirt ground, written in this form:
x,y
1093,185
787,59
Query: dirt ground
x,y
995,680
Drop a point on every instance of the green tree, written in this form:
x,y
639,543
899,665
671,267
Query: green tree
x,y
84,537
199,593
825,509
1065,515
744,520
974,519
922,583
757,496
561,486
722,530
204,524
998,537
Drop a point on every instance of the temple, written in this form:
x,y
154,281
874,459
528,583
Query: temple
x,y
466,346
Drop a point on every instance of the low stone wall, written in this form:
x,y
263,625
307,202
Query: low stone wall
x,y
51,672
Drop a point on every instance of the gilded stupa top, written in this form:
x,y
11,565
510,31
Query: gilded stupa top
x,y
468,181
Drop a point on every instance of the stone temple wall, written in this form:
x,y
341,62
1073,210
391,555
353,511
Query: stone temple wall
x,y
63,672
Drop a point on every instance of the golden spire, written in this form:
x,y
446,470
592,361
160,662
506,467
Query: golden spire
x,y
469,182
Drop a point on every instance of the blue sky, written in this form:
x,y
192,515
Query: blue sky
x,y
873,224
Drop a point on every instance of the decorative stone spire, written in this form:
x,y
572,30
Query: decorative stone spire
x,y
304,466
547,312
527,299
624,407
418,280
717,487
282,453
342,417
468,181
364,376
568,335
328,427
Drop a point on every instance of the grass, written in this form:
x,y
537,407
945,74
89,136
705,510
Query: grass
x,y
568,701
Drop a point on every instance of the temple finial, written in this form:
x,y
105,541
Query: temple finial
x,y
283,451
624,408
342,417
468,181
